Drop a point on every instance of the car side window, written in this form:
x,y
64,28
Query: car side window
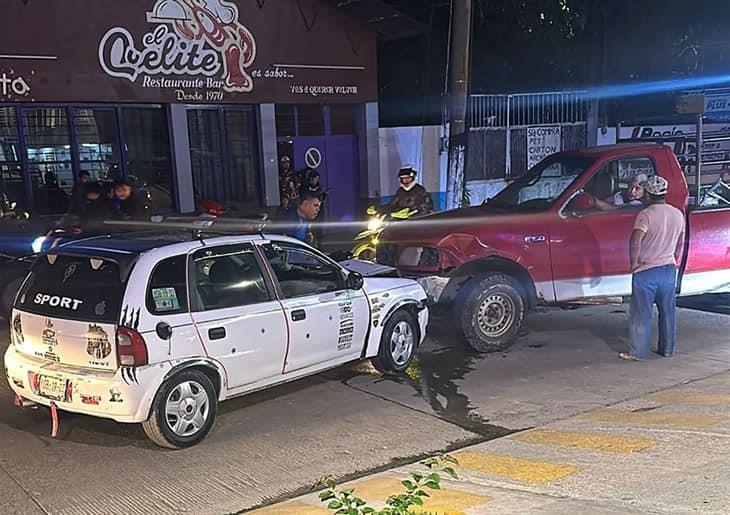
x,y
227,276
167,290
619,184
301,272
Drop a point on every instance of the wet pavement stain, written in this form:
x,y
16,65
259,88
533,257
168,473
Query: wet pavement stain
x,y
435,374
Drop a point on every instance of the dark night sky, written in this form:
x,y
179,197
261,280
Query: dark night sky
x,y
544,45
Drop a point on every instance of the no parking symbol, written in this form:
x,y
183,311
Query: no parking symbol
x,y
313,157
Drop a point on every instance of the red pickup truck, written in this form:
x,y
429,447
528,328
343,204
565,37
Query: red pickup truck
x,y
545,239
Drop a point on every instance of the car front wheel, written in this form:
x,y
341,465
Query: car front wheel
x,y
490,311
183,410
398,343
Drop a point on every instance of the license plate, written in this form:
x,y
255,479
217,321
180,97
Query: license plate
x,y
52,387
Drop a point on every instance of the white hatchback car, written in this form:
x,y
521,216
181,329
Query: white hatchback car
x,y
157,328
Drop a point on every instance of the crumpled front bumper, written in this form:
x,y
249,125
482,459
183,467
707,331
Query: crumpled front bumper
x,y
434,286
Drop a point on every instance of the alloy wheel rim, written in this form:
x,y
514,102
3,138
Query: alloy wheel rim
x,y
401,343
187,408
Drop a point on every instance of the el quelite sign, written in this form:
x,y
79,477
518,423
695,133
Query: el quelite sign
x,y
187,51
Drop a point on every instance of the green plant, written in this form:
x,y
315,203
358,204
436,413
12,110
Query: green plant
x,y
345,502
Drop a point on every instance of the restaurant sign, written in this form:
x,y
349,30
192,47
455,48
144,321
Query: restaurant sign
x,y
189,51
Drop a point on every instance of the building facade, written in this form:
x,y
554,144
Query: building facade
x,y
195,99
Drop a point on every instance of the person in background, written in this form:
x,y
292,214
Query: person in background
x,y
410,194
130,203
57,198
312,183
298,220
655,247
633,195
97,207
78,193
288,185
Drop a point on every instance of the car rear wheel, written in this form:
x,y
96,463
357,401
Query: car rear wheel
x,y
490,311
183,411
8,296
398,343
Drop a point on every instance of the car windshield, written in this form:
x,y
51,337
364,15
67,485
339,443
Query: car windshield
x,y
543,184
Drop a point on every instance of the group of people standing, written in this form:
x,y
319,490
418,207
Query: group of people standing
x,y
92,202
302,197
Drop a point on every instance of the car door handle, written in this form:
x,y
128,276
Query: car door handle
x,y
217,333
298,314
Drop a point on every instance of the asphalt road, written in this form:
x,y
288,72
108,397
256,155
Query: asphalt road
x,y
277,443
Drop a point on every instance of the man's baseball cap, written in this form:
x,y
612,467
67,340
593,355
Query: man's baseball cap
x,y
656,185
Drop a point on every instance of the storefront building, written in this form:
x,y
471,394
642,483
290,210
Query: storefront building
x,y
194,99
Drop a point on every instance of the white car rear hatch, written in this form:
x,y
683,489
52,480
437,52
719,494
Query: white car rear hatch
x,y
67,310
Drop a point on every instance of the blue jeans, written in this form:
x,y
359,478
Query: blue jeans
x,y
654,286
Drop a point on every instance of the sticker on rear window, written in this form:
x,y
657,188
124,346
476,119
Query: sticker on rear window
x,y
165,299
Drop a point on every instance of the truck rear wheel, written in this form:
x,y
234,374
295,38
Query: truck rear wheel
x,y
490,310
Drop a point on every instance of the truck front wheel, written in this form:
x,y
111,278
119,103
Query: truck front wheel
x,y
490,311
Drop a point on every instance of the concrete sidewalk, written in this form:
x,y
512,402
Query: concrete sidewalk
x,y
668,452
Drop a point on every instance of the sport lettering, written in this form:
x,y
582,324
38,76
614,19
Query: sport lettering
x,y
56,301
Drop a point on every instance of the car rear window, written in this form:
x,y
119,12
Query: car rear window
x,y
77,288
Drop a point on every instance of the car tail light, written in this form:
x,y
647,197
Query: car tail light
x,y
34,380
131,348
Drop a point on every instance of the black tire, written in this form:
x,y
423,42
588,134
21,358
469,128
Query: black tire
x,y
490,311
8,296
393,357
158,426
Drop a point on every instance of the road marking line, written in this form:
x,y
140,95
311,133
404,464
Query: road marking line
x,y
654,418
441,502
291,508
695,398
604,443
527,471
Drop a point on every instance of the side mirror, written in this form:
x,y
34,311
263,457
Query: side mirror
x,y
355,281
582,202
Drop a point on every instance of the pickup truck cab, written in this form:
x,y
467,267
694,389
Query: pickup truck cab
x,y
156,328
545,240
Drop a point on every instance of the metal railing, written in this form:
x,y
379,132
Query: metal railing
x,y
521,109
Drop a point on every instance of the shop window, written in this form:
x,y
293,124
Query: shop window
x,y
224,156
49,158
97,140
311,120
147,145
11,176
206,154
241,144
342,119
286,122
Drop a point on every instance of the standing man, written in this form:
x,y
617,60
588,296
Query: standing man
x,y
78,193
656,244
299,218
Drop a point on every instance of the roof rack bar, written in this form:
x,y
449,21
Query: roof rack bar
x,y
207,225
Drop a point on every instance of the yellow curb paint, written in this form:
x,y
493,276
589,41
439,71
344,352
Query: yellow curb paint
x,y
604,443
693,398
527,471
291,508
656,418
442,502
